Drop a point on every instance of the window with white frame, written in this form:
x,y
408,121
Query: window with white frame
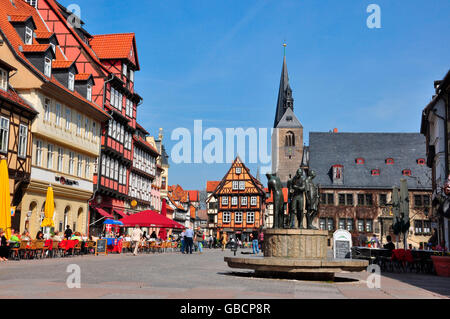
x,y
124,69
93,131
79,121
234,200
28,36
71,162
47,104
32,3
38,157
4,132
79,165
48,67
244,201
131,75
86,127
226,217
238,217
71,83
250,217
224,200
238,170
49,156
103,165
253,201
235,185
23,134
3,80
58,114
89,92
60,162
68,118
120,101
242,185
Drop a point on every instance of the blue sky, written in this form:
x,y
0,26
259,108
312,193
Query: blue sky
x,y
220,61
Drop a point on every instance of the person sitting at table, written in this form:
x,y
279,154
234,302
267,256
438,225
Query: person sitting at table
x,y
4,246
441,246
390,245
374,241
40,235
433,241
57,236
15,240
76,236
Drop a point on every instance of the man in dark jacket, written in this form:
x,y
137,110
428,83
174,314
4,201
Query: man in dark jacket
x,y
68,233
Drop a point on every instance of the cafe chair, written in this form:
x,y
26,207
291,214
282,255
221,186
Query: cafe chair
x,y
18,251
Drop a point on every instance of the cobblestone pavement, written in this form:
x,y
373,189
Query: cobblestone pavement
x,y
173,275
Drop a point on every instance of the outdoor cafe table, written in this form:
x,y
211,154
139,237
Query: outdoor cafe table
x,y
369,253
114,245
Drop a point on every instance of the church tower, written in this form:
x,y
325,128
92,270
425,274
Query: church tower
x,y
287,136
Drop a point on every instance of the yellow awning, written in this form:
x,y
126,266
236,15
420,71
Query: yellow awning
x,y
5,209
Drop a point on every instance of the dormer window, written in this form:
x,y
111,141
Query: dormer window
x,y
131,76
48,67
89,92
421,161
406,172
28,36
71,83
375,172
360,161
338,174
124,69
389,161
238,170
3,80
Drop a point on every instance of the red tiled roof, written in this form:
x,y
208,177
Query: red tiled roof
x,y
82,76
19,17
192,211
13,97
211,186
193,196
35,47
22,8
173,201
43,34
62,64
113,46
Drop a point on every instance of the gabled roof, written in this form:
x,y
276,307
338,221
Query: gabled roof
x,y
83,76
19,48
211,186
115,46
44,34
236,161
11,96
328,149
193,196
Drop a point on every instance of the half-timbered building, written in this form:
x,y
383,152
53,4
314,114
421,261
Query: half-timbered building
x,y
66,132
16,117
241,202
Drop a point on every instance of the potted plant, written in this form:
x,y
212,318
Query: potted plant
x,y
441,262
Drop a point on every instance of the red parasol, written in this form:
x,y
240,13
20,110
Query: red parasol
x,y
162,232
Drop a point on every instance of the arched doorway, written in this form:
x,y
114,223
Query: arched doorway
x,y
31,215
65,220
79,220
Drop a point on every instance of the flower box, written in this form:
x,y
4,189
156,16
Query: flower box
x,y
441,265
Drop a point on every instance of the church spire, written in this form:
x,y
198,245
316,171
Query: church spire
x,y
285,99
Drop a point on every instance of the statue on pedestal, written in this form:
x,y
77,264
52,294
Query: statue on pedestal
x,y
296,187
312,199
276,188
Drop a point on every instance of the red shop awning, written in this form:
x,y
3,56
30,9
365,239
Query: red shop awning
x,y
104,213
150,218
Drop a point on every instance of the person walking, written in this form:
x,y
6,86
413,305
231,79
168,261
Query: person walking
x,y
210,241
189,239
199,240
183,241
224,241
255,245
136,235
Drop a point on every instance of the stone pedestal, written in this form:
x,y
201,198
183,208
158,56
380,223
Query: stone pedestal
x,y
297,253
295,243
